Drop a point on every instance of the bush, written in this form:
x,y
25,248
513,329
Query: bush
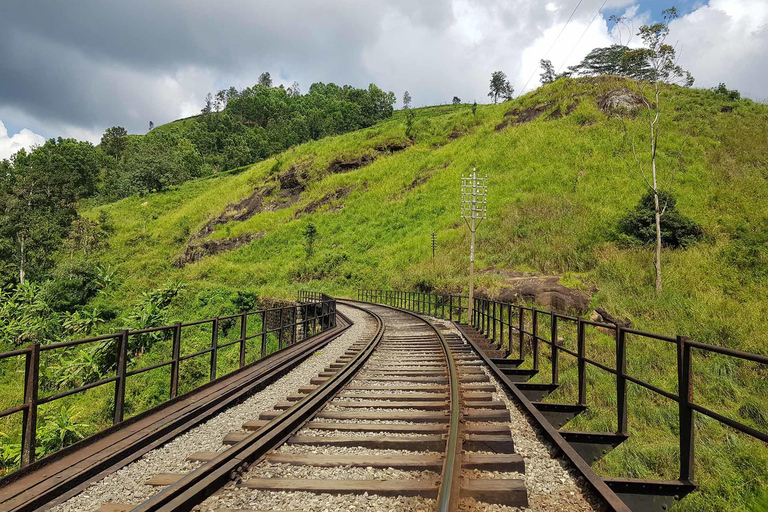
x,y
639,225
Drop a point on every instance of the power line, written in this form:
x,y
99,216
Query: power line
x,y
553,45
582,36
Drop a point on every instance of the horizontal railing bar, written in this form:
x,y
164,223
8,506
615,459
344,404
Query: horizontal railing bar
x,y
199,322
13,410
78,389
147,369
660,391
728,352
659,337
600,365
731,423
190,356
14,353
64,344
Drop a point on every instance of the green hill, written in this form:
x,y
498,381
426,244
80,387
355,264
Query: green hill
x,y
560,179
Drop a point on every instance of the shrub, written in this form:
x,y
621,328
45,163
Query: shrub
x,y
639,224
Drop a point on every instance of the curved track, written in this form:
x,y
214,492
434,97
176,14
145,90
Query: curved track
x,y
410,405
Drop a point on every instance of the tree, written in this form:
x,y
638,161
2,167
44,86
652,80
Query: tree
x,y
456,100
500,87
114,141
310,235
474,108
659,57
86,236
208,107
677,230
221,100
614,60
408,122
151,125
548,72
39,192
294,91
406,100
265,79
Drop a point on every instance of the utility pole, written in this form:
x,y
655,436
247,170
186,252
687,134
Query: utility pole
x,y
434,242
474,194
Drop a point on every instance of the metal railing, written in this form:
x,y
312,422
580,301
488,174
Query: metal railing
x,y
514,324
288,324
451,307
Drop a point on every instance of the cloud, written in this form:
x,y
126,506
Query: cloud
x,y
726,41
76,68
24,139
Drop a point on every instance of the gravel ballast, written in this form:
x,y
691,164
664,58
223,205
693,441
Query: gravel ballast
x,y
127,484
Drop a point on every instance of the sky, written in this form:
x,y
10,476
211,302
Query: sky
x,y
73,69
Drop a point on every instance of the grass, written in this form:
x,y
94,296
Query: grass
x,y
557,189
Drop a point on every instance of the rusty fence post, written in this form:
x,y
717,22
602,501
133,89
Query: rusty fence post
x,y
214,348
535,330
621,380
555,352
264,333
122,354
243,334
685,397
31,389
521,327
175,360
581,345
280,331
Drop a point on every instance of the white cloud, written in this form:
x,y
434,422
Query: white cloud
x,y
726,41
24,139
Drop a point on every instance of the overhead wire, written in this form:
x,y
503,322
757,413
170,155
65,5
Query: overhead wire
x,y
553,45
582,36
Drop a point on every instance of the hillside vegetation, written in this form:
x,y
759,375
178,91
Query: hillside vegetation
x,y
560,180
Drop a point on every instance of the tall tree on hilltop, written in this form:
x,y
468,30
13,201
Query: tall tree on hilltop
x,y
500,87
406,100
265,79
456,100
547,72
208,107
660,60
294,91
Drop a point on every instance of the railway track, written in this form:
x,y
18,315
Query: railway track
x,y
406,414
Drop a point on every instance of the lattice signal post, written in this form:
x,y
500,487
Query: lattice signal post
x,y
474,195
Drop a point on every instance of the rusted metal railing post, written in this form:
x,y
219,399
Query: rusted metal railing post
x,y
685,396
264,333
509,334
214,348
280,331
122,355
521,328
494,321
243,335
555,352
175,360
535,330
31,389
621,380
582,364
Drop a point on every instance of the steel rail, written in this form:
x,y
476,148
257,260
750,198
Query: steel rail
x,y
191,490
449,493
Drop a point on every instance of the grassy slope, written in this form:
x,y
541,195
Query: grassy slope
x,y
557,188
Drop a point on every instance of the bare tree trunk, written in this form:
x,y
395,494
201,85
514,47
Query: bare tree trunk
x,y
21,262
654,137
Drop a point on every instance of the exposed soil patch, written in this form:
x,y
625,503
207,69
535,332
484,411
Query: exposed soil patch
x,y
558,112
196,252
392,147
517,116
342,166
240,211
455,134
545,291
293,178
315,205
727,108
620,100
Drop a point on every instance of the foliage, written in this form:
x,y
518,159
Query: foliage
x,y
310,235
406,100
731,94
73,368
748,249
613,60
58,430
500,87
26,317
456,100
677,230
114,141
547,72
38,196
